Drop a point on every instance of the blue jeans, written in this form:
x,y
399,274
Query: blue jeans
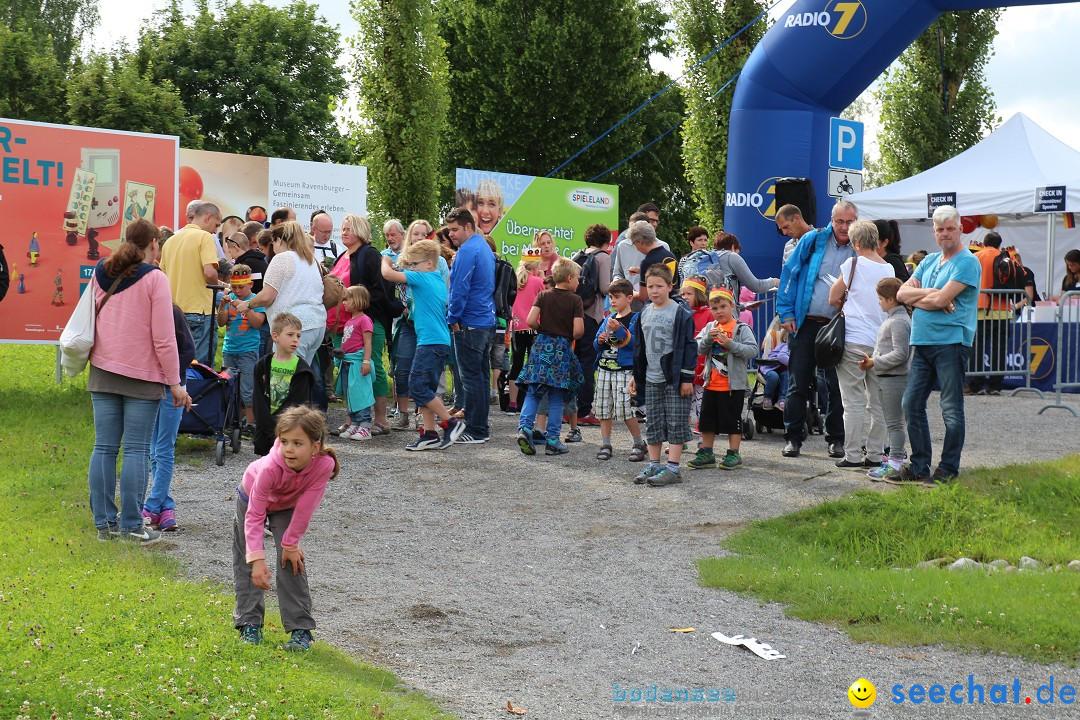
x,y
243,365
775,384
162,455
404,351
202,328
555,405
944,364
131,420
474,370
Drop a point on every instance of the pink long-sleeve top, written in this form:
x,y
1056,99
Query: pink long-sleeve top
x,y
271,485
134,334
524,300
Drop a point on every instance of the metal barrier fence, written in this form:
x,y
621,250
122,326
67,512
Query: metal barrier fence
x,y
1002,344
1067,371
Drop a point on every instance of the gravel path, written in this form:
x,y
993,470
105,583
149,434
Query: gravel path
x,y
480,575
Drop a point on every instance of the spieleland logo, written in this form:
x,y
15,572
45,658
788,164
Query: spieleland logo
x,y
661,693
591,199
973,693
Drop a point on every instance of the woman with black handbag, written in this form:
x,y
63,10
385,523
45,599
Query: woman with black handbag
x,y
855,294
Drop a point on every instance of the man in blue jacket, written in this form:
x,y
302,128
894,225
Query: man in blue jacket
x,y
471,316
802,304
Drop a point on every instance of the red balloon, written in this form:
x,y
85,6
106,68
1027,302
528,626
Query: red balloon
x,y
968,223
191,186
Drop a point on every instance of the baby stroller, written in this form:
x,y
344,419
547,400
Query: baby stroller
x,y
215,408
756,418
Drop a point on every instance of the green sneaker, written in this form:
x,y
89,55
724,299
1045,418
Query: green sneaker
x,y
300,641
649,471
732,460
666,476
251,634
704,459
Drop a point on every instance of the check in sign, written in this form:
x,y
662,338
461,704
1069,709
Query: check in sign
x,y
845,144
1050,199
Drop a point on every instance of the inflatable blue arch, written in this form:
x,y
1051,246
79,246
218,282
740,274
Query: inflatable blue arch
x,y
808,68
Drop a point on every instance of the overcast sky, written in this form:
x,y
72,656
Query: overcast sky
x,y
1029,72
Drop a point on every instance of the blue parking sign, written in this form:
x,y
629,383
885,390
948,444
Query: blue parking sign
x,y
845,144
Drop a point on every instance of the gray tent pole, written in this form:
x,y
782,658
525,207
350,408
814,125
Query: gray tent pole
x,y
1049,284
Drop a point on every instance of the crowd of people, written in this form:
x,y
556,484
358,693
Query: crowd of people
x,y
623,332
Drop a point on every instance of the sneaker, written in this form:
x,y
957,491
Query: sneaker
x,y
525,441
538,437
341,430
574,435
589,420
454,429
300,641
144,536
647,474
360,433
107,532
885,473
906,476
940,477
666,476
427,440
847,464
555,448
836,450
247,432
466,438
792,449
511,410
767,404
345,431
168,521
731,461
704,459
150,519
401,422
251,634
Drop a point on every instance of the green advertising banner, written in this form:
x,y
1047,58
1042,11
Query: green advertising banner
x,y
512,208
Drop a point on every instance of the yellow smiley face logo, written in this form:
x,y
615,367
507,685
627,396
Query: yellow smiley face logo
x,y
862,693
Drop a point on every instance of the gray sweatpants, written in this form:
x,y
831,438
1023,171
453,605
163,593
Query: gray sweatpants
x,y
892,395
294,597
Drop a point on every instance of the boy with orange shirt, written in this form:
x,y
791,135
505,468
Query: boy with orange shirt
x,y
728,345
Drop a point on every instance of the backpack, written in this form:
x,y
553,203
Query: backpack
x,y
505,289
717,273
1008,275
589,283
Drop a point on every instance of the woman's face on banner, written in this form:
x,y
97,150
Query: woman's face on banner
x,y
488,213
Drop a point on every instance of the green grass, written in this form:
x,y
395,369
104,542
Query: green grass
x,y
836,563
109,630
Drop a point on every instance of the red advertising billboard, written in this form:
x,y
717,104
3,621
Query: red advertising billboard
x,y
66,196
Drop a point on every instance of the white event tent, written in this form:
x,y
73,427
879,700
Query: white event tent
x,y
997,176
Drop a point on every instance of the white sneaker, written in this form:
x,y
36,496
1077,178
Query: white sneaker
x,y
361,433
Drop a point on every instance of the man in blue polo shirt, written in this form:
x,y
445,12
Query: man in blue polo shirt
x,y
471,317
944,290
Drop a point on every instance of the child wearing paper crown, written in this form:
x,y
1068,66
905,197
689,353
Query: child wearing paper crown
x,y
243,339
529,284
728,345
693,291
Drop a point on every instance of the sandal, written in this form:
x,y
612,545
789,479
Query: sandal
x,y
604,453
637,454
377,429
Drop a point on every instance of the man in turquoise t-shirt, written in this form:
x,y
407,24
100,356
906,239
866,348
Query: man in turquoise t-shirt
x,y
944,290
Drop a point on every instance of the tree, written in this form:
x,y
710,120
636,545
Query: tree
x,y
933,110
400,62
701,26
259,80
60,23
109,92
31,80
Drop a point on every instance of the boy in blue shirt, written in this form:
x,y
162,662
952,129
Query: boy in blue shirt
x,y
428,290
242,338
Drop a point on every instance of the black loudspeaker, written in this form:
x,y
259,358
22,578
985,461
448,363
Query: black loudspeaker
x,y
800,193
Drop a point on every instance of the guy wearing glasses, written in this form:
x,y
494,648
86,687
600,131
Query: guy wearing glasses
x,y
322,227
802,304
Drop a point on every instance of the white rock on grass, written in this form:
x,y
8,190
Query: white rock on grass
x,y
998,565
1027,563
1074,565
966,564
930,564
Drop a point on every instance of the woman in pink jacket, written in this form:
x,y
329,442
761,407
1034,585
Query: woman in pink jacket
x,y
133,362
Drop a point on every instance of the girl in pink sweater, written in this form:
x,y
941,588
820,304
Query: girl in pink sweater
x,y
283,488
